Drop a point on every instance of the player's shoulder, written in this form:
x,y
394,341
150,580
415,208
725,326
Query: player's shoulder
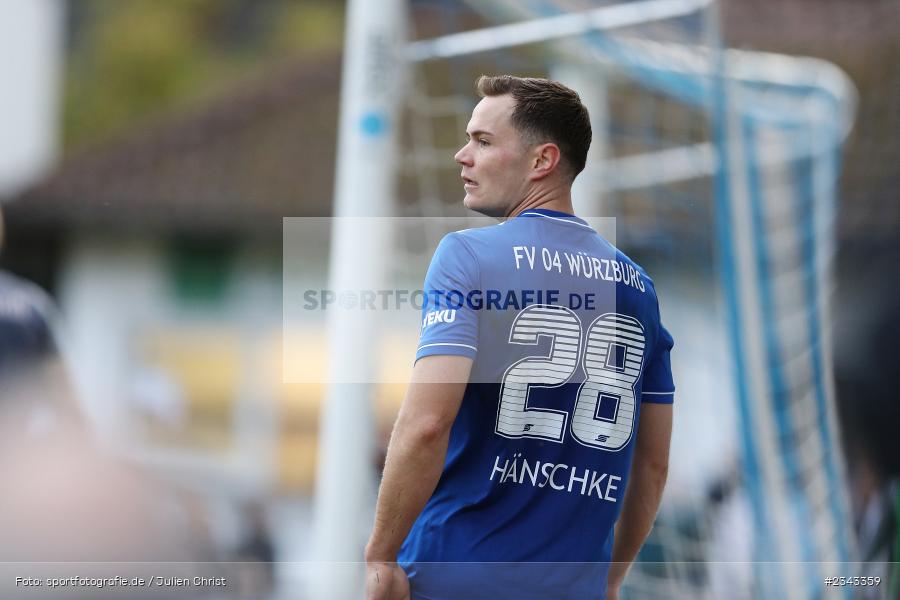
x,y
457,242
474,240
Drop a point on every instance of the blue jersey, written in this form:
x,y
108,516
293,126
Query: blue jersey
x,y
567,343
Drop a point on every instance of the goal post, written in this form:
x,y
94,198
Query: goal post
x,y
689,133
371,91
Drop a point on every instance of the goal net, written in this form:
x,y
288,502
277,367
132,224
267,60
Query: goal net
x,y
716,170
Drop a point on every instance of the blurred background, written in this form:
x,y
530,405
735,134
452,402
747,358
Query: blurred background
x,y
151,150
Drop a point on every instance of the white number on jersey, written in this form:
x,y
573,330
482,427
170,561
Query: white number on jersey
x,y
514,418
613,356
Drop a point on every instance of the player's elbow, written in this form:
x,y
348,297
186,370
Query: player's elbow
x,y
423,430
652,468
648,481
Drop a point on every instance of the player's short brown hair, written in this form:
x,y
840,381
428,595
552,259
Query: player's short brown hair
x,y
546,111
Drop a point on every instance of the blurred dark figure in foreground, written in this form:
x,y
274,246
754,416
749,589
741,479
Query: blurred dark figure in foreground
x,y
867,361
69,508
26,333
29,354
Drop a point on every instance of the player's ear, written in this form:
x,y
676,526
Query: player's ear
x,y
544,160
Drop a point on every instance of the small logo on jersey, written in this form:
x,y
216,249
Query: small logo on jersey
x,y
527,427
601,438
439,316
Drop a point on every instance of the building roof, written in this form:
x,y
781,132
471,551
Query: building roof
x,y
234,166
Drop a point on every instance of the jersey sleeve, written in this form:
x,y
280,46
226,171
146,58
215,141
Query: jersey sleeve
x,y
449,317
659,386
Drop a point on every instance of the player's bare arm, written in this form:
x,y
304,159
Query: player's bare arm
x,y
642,498
415,459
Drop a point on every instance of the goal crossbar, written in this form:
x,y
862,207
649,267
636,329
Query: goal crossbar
x,y
551,28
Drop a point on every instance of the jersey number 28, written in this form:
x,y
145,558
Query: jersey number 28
x,y
612,356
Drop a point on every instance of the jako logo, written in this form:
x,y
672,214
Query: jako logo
x,y
439,316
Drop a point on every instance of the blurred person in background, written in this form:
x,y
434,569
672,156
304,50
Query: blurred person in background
x,y
256,555
866,360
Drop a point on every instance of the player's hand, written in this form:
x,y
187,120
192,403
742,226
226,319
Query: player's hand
x,y
386,581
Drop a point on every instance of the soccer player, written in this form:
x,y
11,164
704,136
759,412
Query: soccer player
x,y
540,408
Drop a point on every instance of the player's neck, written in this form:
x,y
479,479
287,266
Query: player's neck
x,y
557,199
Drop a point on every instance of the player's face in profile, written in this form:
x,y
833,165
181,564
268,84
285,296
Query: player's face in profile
x,y
494,160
